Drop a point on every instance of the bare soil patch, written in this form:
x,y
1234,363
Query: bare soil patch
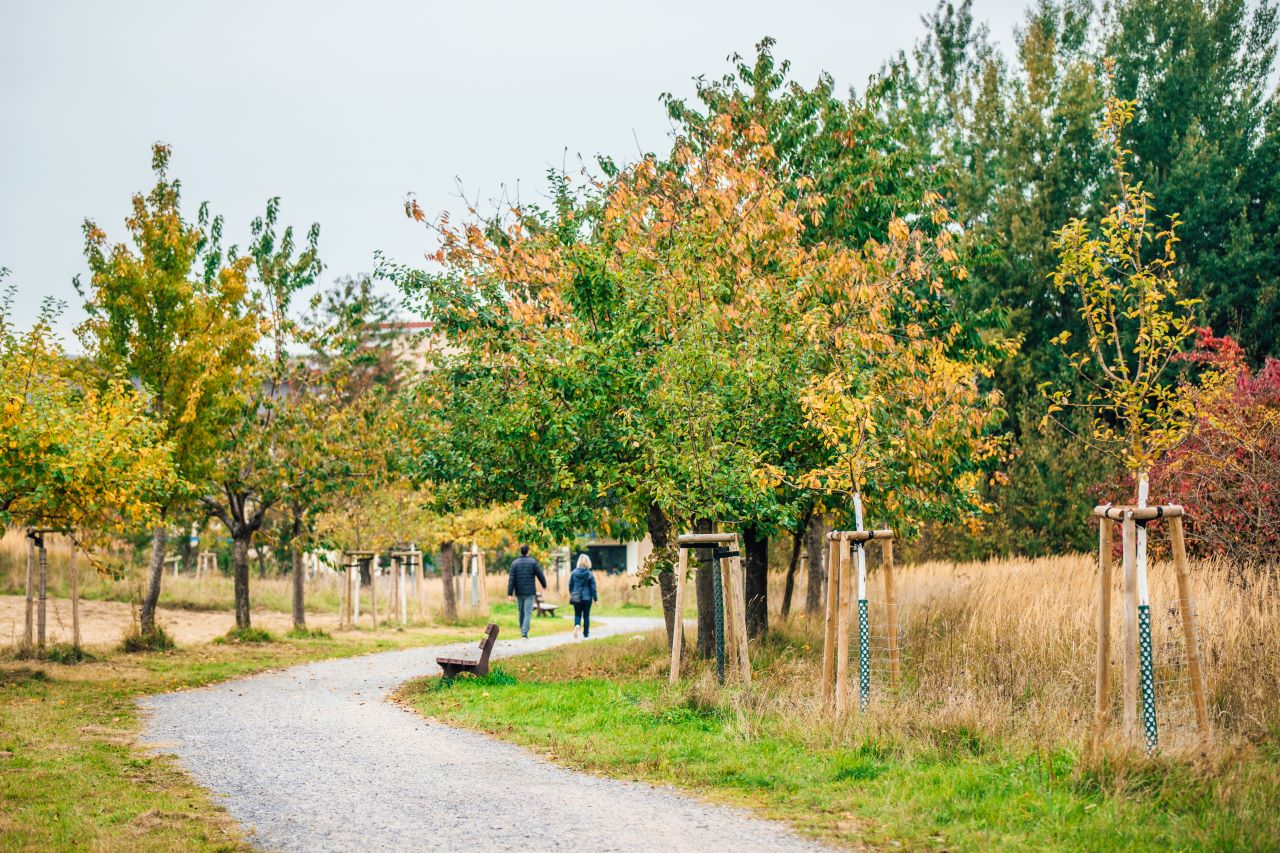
x,y
102,623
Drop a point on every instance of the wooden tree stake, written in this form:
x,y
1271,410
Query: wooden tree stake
x,y
677,635
842,634
833,615
1102,681
29,627
891,613
1130,687
75,596
740,617
373,590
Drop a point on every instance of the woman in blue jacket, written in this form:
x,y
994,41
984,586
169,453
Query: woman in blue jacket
x,y
582,591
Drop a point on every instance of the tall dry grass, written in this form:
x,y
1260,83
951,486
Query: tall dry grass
x,y
1005,652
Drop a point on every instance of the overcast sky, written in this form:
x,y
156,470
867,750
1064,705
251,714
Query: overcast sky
x,y
344,108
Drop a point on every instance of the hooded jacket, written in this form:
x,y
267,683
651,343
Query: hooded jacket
x,y
582,584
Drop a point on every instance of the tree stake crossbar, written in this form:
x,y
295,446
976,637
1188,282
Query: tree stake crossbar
x,y
1138,688
730,604
840,607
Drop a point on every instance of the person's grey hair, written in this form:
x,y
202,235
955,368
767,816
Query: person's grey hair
x,y
584,562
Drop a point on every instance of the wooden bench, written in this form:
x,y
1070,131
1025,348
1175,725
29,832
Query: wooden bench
x,y
541,607
454,666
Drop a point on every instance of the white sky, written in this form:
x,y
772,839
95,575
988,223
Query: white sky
x,y
344,108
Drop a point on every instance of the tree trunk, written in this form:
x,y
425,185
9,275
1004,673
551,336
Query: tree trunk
x,y
240,575
660,533
262,561
446,575
147,616
797,540
756,588
815,537
299,583
706,645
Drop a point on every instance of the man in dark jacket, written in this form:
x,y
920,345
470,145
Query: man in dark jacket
x,y
520,583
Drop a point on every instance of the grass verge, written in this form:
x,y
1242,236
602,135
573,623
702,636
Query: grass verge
x,y
72,776
605,707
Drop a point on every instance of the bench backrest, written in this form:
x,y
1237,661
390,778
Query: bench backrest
x,y
486,646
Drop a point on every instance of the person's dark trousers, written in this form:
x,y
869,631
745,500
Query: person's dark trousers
x,y
524,606
582,613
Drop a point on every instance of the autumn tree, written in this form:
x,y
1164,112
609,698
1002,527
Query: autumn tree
x,y
170,311
75,454
267,431
1135,319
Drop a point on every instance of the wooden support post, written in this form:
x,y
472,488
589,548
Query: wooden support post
x,y
29,627
420,567
404,598
354,579
393,601
373,589
1102,680
730,606
842,632
833,616
75,595
344,598
677,635
1130,687
1187,609
44,593
484,580
891,613
743,656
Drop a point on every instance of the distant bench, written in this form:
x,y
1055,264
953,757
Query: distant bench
x,y
542,608
454,666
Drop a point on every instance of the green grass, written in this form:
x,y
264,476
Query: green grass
x,y
607,709
71,774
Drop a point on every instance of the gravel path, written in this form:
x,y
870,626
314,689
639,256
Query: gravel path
x,y
314,758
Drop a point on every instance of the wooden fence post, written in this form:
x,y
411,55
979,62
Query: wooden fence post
x,y
1102,680
1186,607
677,634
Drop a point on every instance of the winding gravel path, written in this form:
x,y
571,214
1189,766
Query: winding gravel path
x,y
314,758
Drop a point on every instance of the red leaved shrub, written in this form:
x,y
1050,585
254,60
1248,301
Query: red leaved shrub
x,y
1227,473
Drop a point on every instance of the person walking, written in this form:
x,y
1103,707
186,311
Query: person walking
x,y
522,577
582,592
